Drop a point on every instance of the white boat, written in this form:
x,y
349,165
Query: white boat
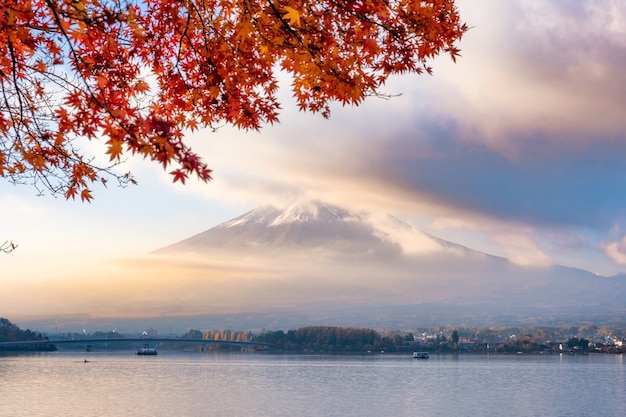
x,y
146,350
420,355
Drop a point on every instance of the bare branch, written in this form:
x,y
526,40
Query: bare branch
x,y
8,247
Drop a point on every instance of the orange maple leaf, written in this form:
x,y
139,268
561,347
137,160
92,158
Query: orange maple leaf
x,y
115,149
85,195
292,15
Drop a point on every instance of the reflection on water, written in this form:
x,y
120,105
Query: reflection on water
x,y
193,385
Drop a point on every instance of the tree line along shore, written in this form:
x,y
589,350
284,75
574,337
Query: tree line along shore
x,y
338,339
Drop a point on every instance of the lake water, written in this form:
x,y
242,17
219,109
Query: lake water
x,y
176,384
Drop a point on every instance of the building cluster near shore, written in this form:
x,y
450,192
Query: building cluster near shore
x,y
520,344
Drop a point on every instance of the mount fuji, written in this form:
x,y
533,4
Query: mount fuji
x,y
314,227
318,263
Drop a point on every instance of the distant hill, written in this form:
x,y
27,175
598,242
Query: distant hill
x,y
346,268
10,332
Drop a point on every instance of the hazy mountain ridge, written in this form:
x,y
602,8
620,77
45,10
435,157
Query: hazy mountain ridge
x,y
354,265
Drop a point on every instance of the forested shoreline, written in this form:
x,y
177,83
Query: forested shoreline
x,y
10,332
11,336
338,339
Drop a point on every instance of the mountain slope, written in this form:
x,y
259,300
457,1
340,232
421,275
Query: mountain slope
x,y
317,258
312,226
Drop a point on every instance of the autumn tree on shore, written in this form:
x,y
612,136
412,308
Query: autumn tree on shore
x,y
137,74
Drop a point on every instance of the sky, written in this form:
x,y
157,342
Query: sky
x,y
517,150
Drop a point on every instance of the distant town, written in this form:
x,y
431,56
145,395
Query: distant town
x,y
336,339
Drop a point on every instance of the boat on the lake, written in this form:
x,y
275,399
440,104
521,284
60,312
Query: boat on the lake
x,y
147,350
420,355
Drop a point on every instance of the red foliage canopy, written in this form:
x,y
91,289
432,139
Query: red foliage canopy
x,y
137,74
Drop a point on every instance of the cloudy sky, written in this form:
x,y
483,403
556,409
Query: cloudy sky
x,y
518,150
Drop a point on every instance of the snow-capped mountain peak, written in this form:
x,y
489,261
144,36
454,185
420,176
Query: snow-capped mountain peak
x,y
260,216
312,212
313,225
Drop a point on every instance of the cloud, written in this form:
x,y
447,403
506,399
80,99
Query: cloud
x,y
522,250
409,240
223,283
539,67
158,286
616,251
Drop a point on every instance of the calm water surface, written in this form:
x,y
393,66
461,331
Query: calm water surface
x,y
173,384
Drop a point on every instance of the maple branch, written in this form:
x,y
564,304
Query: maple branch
x,y
18,93
359,15
184,36
286,25
78,60
207,56
39,135
73,70
384,96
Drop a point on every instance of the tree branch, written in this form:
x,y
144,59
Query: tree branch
x,y
8,247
